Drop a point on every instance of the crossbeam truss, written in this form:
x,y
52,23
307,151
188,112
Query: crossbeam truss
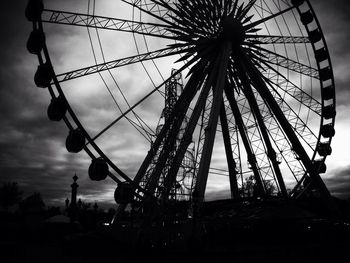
x,y
117,63
150,29
100,22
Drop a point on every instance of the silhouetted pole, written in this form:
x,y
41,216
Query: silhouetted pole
x,y
67,204
73,204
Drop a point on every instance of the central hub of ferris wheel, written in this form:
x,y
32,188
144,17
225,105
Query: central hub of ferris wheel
x,y
233,31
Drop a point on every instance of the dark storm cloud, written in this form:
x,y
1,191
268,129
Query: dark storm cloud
x,y
32,150
343,88
339,183
335,21
19,108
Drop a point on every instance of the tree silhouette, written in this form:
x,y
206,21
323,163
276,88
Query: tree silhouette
x,y
85,205
249,186
270,187
33,204
250,189
9,195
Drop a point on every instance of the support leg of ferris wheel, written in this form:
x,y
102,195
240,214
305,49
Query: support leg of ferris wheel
x,y
231,163
192,123
182,102
240,124
173,131
187,138
265,93
203,170
259,118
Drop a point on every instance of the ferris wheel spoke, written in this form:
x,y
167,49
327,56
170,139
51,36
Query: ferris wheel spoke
x,y
131,109
106,23
185,22
299,126
278,138
154,7
265,19
260,8
270,39
271,57
285,149
296,92
231,163
150,6
246,9
78,73
140,128
135,4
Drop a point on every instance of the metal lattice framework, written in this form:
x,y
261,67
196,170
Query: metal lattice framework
x,y
258,100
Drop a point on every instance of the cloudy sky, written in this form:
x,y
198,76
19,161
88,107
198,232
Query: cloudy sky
x,y
32,150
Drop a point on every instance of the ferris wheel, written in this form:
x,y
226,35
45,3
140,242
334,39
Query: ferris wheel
x,y
257,97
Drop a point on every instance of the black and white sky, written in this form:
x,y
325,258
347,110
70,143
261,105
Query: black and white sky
x,y
32,150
